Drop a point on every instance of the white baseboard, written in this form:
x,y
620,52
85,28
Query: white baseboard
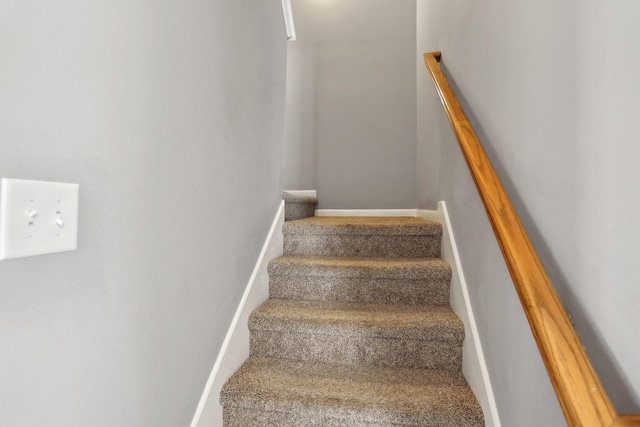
x,y
235,348
432,215
302,193
474,366
366,212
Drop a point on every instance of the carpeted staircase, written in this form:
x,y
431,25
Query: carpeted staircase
x,y
357,331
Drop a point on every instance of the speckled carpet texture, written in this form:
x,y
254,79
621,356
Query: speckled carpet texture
x,y
298,207
357,332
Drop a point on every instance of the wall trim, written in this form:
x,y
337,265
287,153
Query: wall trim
x,y
366,212
427,214
235,347
302,193
480,384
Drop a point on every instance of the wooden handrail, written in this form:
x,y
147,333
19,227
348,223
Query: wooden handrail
x,y
582,397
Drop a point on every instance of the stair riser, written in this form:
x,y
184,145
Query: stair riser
x,y
362,246
241,417
365,291
355,350
281,417
293,211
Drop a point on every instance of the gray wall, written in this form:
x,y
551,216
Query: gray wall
x,y
351,103
170,115
552,90
300,117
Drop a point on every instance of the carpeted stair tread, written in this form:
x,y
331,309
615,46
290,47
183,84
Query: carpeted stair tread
x,y
364,237
351,267
304,394
359,225
410,322
410,281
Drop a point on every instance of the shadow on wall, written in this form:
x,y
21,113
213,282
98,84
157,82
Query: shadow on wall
x,y
616,383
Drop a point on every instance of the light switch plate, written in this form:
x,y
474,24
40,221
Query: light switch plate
x,y
37,217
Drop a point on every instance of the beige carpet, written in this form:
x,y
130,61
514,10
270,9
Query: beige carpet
x,y
357,332
298,207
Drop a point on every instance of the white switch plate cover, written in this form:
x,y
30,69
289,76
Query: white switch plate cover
x,y
52,209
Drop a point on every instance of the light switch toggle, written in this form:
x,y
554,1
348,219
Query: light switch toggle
x,y
32,214
59,221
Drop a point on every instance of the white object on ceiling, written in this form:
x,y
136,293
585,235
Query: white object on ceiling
x,y
288,20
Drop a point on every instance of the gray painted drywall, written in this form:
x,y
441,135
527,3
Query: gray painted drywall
x,y
351,103
300,118
552,90
170,116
